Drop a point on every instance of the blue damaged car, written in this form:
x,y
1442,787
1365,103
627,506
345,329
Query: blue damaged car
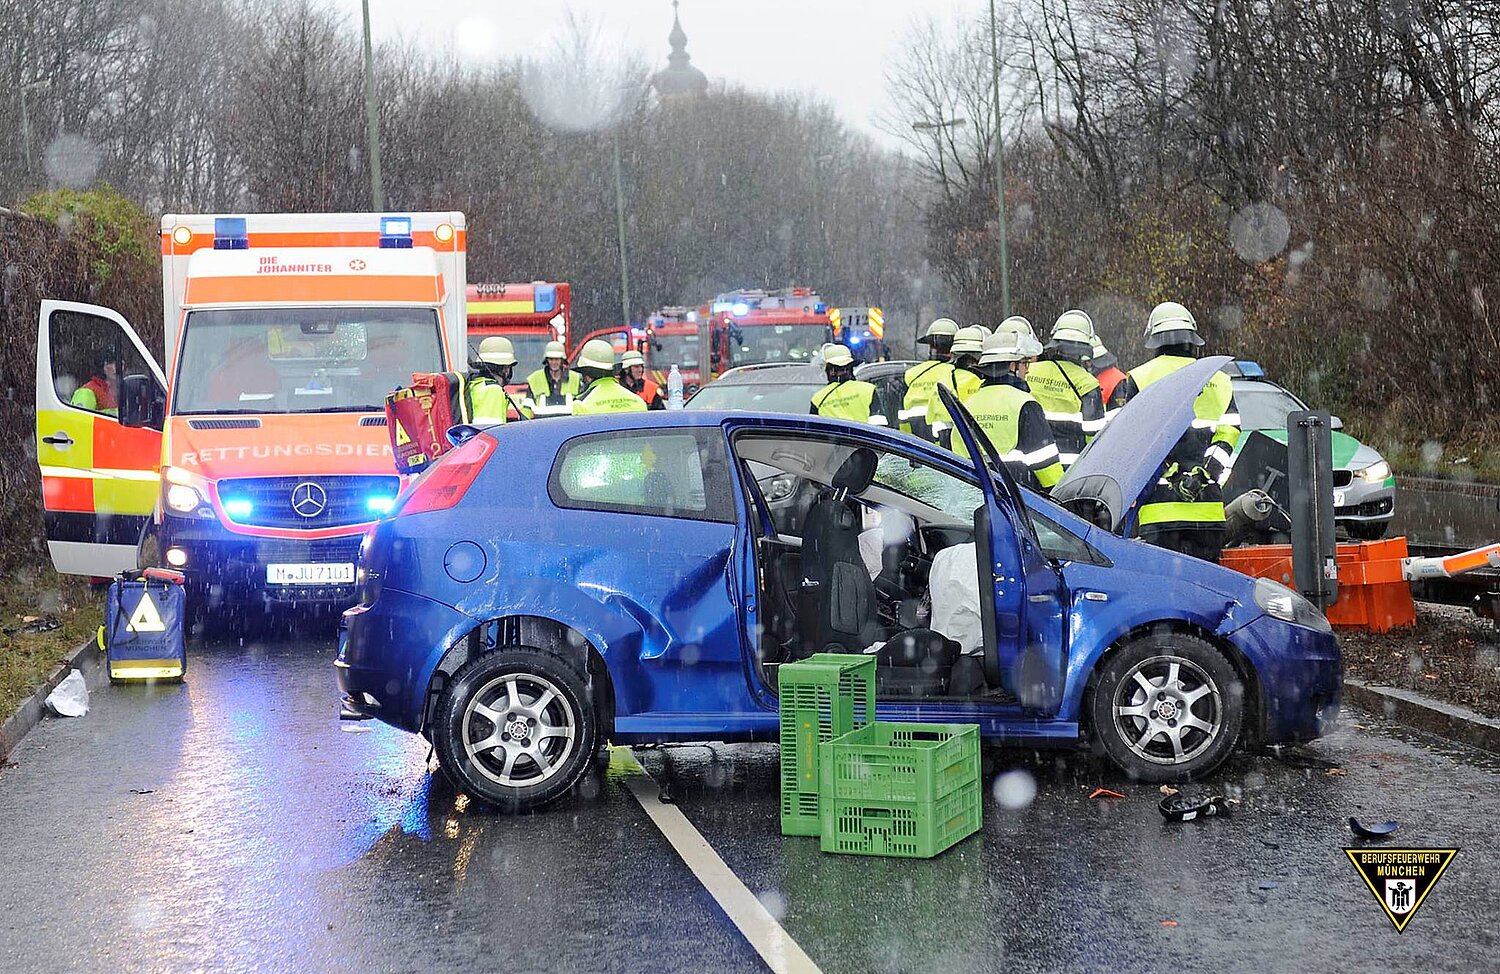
x,y
547,587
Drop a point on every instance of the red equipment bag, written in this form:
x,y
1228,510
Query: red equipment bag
x,y
418,418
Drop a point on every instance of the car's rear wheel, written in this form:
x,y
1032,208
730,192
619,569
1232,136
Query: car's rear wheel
x,y
1368,530
516,728
1168,707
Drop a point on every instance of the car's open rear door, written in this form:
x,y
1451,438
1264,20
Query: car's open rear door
x,y
100,480
1025,617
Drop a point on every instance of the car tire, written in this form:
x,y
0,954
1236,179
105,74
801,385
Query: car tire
x,y
1368,530
494,700
1145,732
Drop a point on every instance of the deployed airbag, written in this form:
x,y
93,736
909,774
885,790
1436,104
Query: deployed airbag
x,y
954,584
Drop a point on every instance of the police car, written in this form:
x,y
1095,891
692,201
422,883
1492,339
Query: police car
x,y
1364,488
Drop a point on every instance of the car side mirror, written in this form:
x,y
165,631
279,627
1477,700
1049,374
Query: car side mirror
x,y
1334,423
142,403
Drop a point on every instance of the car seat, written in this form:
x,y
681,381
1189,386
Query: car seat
x,y
839,608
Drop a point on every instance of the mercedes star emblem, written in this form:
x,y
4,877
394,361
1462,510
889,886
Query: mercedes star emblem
x,y
308,499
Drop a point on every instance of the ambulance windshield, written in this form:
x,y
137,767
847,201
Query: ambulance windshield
x,y
302,360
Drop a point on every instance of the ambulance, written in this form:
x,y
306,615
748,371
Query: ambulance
x,y
257,458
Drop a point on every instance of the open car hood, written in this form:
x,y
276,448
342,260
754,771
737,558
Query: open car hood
x,y
1121,464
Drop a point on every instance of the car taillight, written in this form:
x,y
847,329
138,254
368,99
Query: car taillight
x,y
449,479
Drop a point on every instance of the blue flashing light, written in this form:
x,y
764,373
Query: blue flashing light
x,y
238,508
855,339
229,233
692,316
395,232
820,308
1251,370
380,505
544,298
740,309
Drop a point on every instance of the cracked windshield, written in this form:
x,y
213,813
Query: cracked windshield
x,y
680,485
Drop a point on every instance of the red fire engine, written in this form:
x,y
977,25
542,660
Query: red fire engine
x,y
789,325
530,315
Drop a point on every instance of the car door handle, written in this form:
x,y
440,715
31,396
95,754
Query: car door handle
x,y
61,439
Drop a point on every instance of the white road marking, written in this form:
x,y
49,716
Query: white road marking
x,y
744,910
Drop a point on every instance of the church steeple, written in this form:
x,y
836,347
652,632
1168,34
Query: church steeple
x,y
679,78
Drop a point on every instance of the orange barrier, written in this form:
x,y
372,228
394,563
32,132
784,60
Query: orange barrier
x,y
1374,594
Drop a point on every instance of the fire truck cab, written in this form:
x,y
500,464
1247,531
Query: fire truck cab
x,y
788,325
530,315
255,461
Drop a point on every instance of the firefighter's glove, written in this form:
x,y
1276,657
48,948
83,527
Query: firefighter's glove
x,y
1190,484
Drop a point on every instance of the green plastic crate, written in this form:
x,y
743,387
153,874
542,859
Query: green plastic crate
x,y
822,697
899,762
911,830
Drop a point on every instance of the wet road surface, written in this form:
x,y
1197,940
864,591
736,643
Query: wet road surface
x,y
234,823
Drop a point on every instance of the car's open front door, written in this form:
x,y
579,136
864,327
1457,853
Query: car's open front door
x,y
1025,621
100,480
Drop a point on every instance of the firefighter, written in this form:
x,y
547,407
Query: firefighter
x,y
604,393
968,345
921,379
1105,367
1061,382
101,393
633,377
1010,416
484,398
845,397
1185,511
552,388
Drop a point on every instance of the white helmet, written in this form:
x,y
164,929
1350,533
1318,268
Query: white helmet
x,y
1017,324
984,330
1009,346
1171,324
496,350
1074,326
968,341
632,357
837,355
597,354
554,350
940,328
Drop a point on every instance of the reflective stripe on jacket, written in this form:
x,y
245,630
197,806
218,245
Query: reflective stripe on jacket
x,y
1189,490
851,399
964,384
1017,427
1071,399
548,398
921,381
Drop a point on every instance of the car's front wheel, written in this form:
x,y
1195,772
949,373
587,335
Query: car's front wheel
x,y
1168,707
516,728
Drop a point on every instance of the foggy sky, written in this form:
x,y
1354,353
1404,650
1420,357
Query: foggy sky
x,y
835,49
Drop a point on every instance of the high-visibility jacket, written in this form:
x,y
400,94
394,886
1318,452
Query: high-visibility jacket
x,y
484,401
1189,491
963,383
548,398
606,395
1017,426
1071,399
921,381
96,396
851,399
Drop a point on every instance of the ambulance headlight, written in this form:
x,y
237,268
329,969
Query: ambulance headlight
x,y
183,499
